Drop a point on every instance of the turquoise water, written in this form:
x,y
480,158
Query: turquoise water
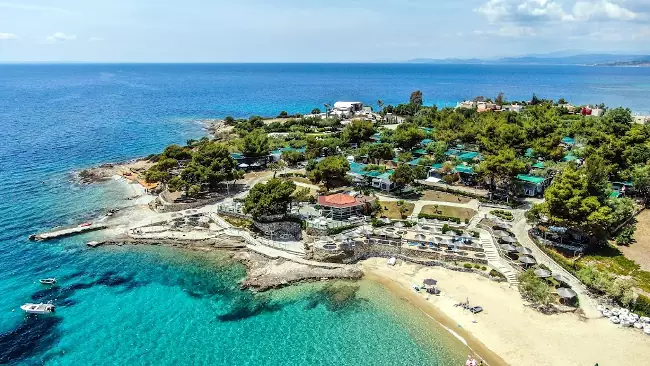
x,y
140,306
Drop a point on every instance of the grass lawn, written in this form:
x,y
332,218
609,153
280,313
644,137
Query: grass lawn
x,y
612,260
391,210
462,213
300,179
430,195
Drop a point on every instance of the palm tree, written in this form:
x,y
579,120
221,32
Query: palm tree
x,y
327,110
380,104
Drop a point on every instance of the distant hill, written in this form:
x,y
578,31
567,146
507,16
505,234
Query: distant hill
x,y
556,58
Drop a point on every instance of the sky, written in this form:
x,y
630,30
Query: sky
x,y
314,31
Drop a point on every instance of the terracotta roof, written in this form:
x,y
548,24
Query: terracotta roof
x,y
341,200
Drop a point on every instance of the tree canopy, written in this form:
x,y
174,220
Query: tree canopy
x,y
270,198
403,175
330,171
408,135
256,144
358,131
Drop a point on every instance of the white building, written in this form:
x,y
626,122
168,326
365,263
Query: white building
x,y
468,104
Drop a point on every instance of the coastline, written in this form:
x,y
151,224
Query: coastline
x,y
507,328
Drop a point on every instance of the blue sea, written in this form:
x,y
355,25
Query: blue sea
x,y
155,305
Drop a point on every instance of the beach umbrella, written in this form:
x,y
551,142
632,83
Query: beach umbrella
x,y
566,293
385,220
393,236
399,224
500,233
508,248
420,237
422,220
559,278
524,250
542,273
526,259
429,282
503,225
509,239
446,242
416,227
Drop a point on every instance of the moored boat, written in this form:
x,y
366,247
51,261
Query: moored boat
x,y
47,281
37,308
391,261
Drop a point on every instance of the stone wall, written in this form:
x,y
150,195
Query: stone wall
x,y
160,205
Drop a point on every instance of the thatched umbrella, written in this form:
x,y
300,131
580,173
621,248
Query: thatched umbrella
x,y
420,237
524,250
526,259
446,242
399,224
502,224
559,278
386,220
542,273
566,293
508,248
429,282
500,233
508,239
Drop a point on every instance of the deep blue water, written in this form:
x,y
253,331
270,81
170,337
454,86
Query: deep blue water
x,y
155,305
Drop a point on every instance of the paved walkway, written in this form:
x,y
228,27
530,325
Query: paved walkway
x,y
587,303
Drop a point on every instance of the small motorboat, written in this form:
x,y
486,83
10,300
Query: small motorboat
x,y
616,312
37,308
638,325
47,281
614,319
625,322
646,330
644,319
391,261
476,309
416,288
85,224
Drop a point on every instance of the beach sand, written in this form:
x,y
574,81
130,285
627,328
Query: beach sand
x,y
518,334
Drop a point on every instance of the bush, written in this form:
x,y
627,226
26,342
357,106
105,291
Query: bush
x,y
495,273
467,265
502,214
484,268
445,228
534,289
475,234
641,306
466,221
477,266
340,229
626,235
440,217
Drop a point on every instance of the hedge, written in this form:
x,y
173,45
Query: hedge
x,y
439,217
340,229
506,215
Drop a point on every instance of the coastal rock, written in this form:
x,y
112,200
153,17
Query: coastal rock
x,y
265,273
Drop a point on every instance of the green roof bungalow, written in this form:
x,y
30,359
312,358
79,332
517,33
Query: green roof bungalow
x,y
414,162
531,185
435,171
383,182
237,156
427,129
530,153
467,174
468,156
376,137
568,141
569,157
419,152
538,165
620,188
426,142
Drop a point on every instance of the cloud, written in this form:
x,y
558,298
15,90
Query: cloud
x,y
529,11
603,9
509,31
7,36
95,39
60,37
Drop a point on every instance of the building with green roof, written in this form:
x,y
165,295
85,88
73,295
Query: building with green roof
x,y
532,185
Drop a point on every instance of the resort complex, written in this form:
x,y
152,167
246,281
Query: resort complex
x,y
536,196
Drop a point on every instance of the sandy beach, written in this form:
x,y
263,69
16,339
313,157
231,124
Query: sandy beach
x,y
518,334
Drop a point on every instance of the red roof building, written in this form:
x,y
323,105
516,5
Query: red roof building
x,y
342,206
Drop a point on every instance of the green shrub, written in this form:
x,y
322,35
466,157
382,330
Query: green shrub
x,y
534,289
466,221
475,234
477,266
495,273
340,229
467,265
641,306
445,228
440,217
484,268
502,214
626,235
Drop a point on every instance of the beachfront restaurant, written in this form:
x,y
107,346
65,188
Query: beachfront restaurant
x,y
342,206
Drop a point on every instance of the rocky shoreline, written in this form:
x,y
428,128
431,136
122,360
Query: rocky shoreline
x,y
263,273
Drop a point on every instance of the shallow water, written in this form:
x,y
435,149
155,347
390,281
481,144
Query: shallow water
x,y
150,305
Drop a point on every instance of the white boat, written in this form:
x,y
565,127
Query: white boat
x,y
646,330
634,316
645,319
37,308
47,281
615,320
616,312
600,308
625,322
391,261
638,325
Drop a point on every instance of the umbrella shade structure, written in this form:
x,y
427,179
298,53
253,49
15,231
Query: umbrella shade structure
x,y
566,293
508,239
446,242
500,233
399,224
385,220
429,282
559,278
508,248
365,231
416,227
394,236
420,237
524,250
502,224
526,259
542,273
